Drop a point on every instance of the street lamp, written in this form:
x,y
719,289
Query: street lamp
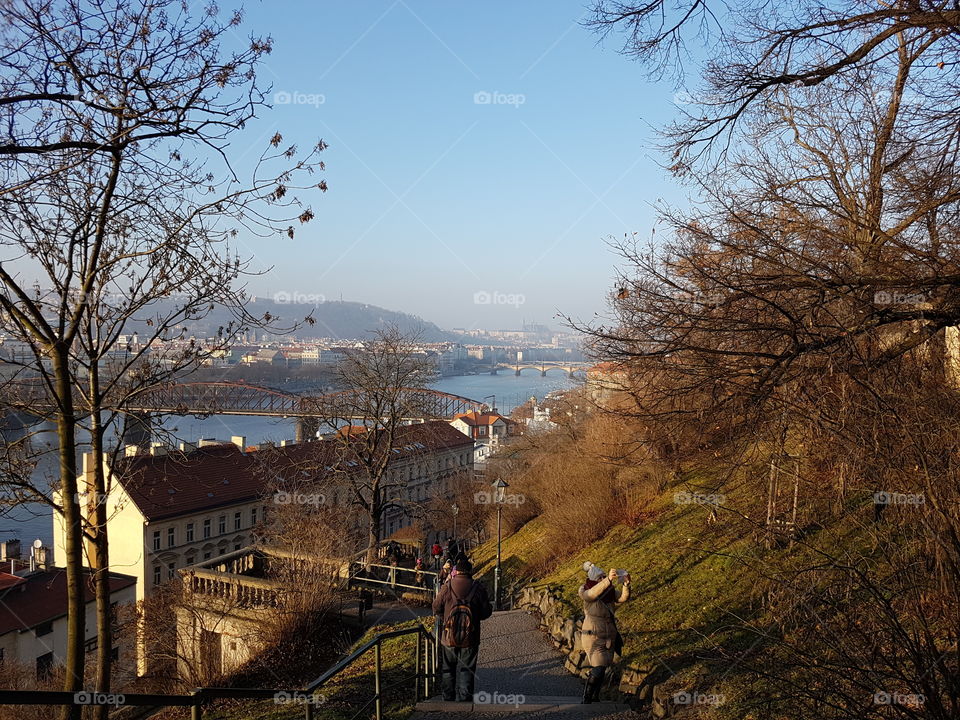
x,y
499,494
455,509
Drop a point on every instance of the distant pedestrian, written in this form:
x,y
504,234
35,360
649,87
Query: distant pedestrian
x,y
436,551
600,637
418,566
393,571
461,605
445,572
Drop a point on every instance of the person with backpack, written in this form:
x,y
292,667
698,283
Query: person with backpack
x,y
461,604
599,635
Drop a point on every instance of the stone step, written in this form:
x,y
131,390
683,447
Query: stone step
x,y
502,703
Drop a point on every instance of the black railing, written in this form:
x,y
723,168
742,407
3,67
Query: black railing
x,y
426,660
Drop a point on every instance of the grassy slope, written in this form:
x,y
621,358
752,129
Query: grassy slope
x,y
691,581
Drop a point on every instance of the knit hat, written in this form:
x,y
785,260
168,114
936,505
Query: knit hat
x,y
593,572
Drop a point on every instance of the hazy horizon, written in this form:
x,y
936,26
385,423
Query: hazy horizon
x,y
478,160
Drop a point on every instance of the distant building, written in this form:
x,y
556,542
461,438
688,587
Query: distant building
x,y
488,429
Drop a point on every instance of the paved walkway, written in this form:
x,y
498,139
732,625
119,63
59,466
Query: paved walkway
x,y
520,672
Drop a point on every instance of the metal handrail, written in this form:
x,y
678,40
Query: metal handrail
x,y
426,658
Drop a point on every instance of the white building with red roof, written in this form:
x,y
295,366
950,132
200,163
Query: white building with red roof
x,y
174,509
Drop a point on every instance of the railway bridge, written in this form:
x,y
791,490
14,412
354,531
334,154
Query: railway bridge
x,y
238,398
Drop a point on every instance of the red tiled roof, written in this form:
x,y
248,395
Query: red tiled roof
x,y
8,581
42,596
477,418
221,475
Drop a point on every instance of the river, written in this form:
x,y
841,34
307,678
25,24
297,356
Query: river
x,y
28,522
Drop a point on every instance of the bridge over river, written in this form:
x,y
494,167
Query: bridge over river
x,y
238,398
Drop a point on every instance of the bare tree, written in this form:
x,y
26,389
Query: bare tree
x,y
757,50
117,204
368,419
805,309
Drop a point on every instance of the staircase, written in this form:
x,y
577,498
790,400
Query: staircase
x,y
520,673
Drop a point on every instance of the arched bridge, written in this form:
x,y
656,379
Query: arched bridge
x,y
237,398
570,368
231,398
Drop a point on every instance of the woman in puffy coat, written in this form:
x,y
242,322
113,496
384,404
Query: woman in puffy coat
x,y
599,631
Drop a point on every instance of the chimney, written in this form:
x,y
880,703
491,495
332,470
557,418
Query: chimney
x,y
204,442
158,449
10,550
131,450
240,441
88,463
187,447
287,443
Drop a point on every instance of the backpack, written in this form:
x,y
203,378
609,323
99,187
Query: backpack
x,y
458,627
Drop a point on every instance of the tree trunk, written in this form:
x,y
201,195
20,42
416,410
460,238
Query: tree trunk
x,y
73,529
373,538
97,518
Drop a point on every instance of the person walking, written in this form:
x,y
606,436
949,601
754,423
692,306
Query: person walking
x,y
599,634
436,551
461,605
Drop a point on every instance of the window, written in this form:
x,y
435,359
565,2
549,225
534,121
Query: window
x,y
222,525
191,559
44,666
156,574
236,521
206,556
223,551
156,539
44,628
206,528
171,537
171,570
236,546
253,516
189,532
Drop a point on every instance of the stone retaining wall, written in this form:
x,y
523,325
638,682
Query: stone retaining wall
x,y
563,624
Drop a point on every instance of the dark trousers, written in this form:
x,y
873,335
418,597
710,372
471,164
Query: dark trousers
x,y
458,670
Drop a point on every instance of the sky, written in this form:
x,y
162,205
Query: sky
x,y
480,156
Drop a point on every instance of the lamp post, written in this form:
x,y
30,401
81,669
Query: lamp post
x,y
499,493
455,509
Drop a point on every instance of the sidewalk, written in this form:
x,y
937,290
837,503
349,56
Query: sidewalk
x,y
521,674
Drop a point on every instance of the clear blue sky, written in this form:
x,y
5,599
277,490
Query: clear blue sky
x,y
435,197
